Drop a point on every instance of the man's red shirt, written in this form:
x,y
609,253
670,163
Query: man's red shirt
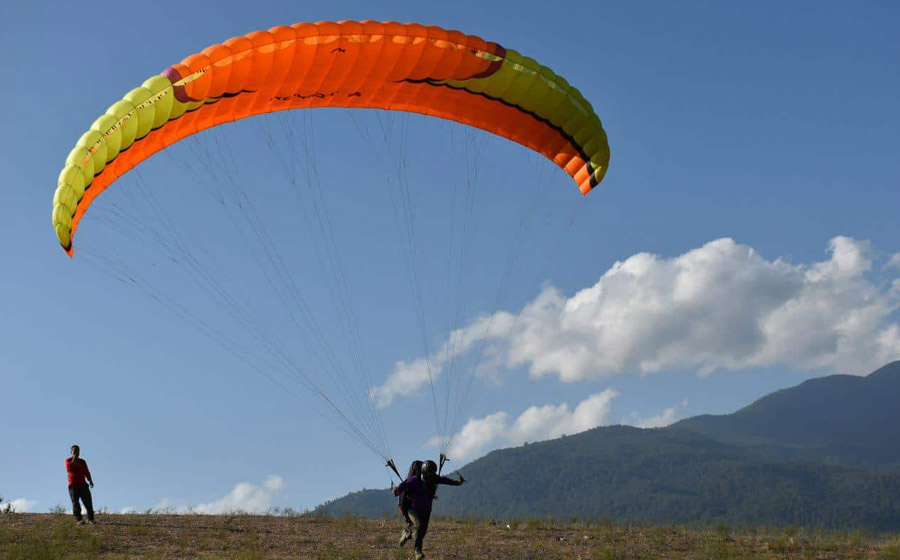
x,y
77,471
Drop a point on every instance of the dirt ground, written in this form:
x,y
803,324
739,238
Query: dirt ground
x,y
156,536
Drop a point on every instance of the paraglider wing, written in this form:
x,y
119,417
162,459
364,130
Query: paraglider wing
x,y
393,66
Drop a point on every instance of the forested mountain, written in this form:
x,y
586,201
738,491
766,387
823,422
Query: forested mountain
x,y
737,468
841,419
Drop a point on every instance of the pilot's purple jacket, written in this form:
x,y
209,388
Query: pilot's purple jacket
x,y
422,493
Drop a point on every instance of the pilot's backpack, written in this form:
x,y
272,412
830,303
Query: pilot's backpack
x,y
405,500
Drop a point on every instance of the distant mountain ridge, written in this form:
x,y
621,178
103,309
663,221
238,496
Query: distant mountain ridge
x,y
823,453
840,419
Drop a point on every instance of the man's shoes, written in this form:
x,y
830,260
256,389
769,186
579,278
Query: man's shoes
x,y
405,536
80,522
92,522
420,555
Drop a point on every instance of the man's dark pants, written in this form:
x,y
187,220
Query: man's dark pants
x,y
81,492
420,526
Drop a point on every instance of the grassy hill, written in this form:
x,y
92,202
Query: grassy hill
x,y
245,537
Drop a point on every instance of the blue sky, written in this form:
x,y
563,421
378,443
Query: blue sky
x,y
745,239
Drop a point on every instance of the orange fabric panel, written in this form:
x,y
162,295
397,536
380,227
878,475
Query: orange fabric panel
x,y
348,64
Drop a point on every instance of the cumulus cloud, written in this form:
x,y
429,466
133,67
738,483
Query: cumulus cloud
x,y
478,434
894,261
719,306
19,505
406,379
165,505
246,497
535,424
274,483
661,420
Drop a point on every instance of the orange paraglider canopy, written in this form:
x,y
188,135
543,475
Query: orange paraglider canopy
x,y
393,66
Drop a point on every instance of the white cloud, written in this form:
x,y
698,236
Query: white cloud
x,y
720,306
406,379
661,420
478,434
535,424
546,422
893,262
246,497
19,505
274,483
166,505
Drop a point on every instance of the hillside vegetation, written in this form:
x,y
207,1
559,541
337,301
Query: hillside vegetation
x,y
822,454
840,419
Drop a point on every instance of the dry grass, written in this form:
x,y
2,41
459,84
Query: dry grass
x,y
246,537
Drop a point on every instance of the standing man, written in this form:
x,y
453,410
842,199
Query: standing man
x,y
422,488
78,472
